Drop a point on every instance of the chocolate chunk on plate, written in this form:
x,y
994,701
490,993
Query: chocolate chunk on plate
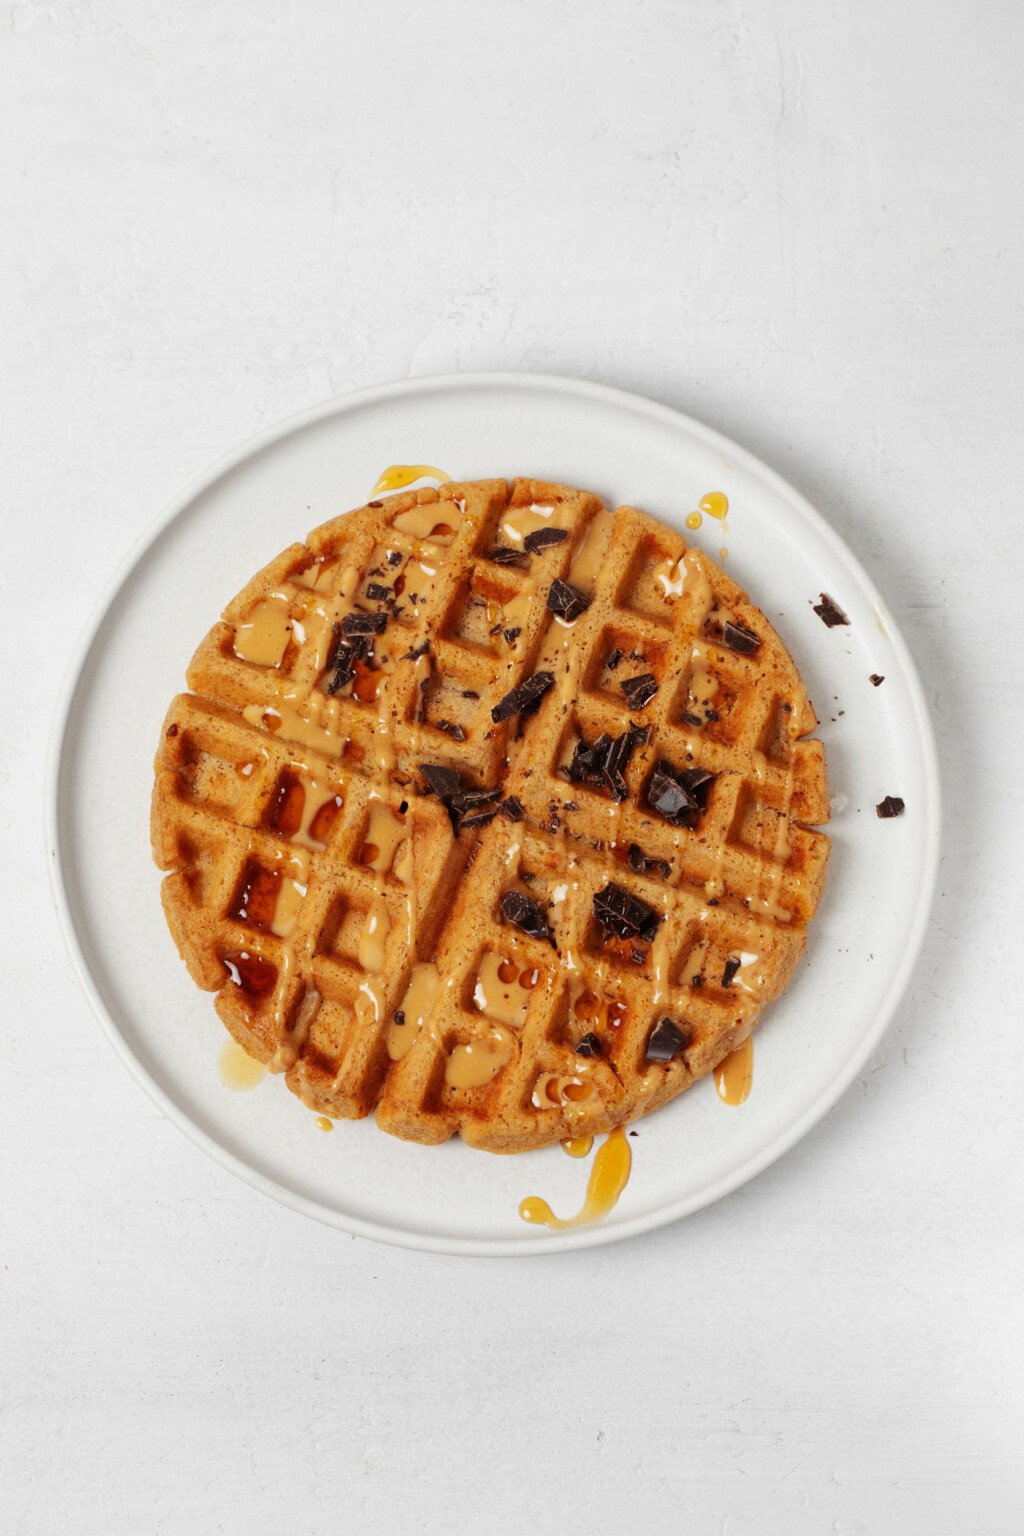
x,y
625,916
525,913
544,538
891,806
665,1041
640,690
829,611
876,679
528,692
567,602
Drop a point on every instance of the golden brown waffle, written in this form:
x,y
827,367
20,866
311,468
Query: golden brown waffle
x,y
497,981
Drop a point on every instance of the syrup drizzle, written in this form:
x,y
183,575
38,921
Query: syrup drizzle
x,y
397,476
608,1178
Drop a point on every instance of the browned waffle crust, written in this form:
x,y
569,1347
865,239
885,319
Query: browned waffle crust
x,y
316,880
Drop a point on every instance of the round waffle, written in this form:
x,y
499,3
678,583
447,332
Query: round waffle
x,y
491,810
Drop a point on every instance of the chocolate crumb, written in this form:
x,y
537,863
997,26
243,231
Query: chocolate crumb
x,y
529,692
697,981
470,693
640,690
566,601
512,808
875,679
638,956
451,728
544,538
741,639
374,503
399,1016
732,965
829,611
665,1041
589,1045
614,658
394,557
172,730
512,635
525,913
891,806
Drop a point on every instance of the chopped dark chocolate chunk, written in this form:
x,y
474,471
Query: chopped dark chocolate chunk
x,y
603,764
512,808
544,538
614,658
739,638
377,592
640,690
829,611
623,915
441,781
394,557
451,728
399,1016
354,624
515,557
732,965
665,1041
374,503
640,863
875,679
525,913
529,692
470,693
466,799
567,602
667,796
589,1045
477,818
678,794
891,806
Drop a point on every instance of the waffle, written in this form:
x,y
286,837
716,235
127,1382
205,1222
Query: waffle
x,y
492,811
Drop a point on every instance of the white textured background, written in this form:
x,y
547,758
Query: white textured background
x,y
801,223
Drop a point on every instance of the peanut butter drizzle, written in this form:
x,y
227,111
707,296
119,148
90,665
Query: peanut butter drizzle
x,y
608,1178
769,905
589,558
238,1070
571,1093
420,996
498,991
373,939
694,964
385,834
263,637
517,523
479,1061
397,476
433,522
734,1076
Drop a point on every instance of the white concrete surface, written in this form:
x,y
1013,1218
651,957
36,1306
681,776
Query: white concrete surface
x,y
802,224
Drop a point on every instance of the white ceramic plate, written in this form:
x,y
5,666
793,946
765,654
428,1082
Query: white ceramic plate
x,y
205,547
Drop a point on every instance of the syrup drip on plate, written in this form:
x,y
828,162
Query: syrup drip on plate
x,y
239,1070
608,1178
397,476
734,1076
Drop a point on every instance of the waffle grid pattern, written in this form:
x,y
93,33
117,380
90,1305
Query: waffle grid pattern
x,y
742,883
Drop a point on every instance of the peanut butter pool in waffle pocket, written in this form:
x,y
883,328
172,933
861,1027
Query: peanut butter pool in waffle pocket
x,y
491,810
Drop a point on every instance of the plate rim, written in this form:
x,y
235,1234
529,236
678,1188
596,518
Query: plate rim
x,y
579,1237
